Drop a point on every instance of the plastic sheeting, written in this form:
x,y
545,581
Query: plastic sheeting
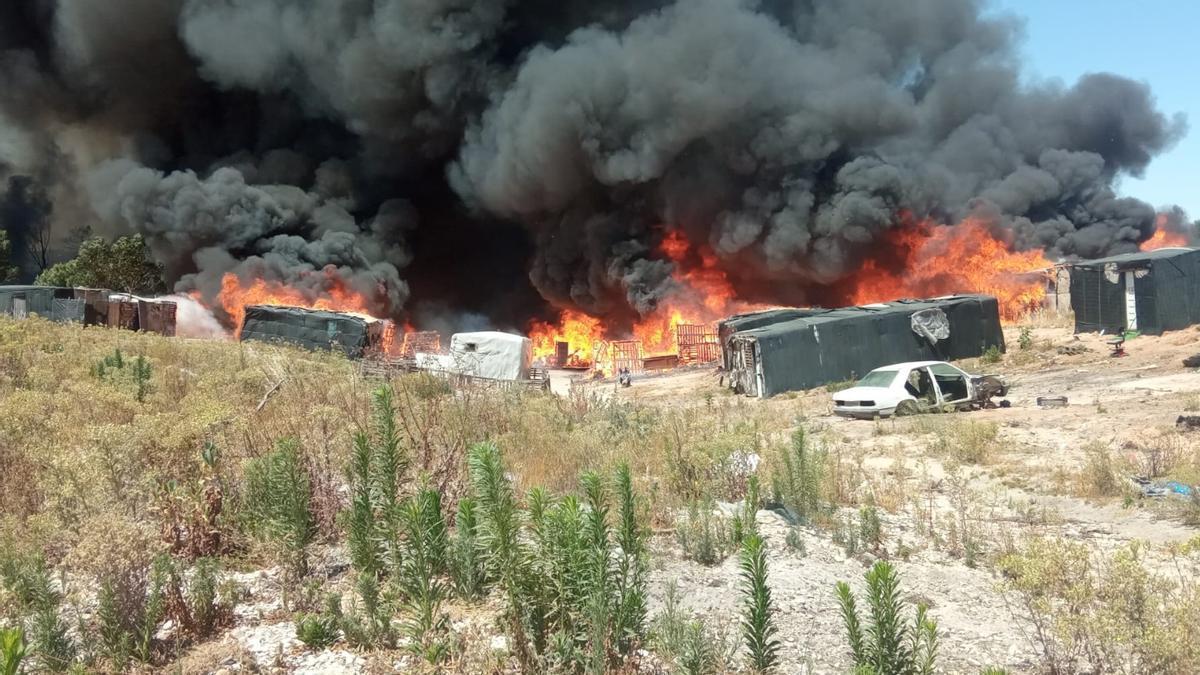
x,y
931,324
840,344
308,328
1166,291
492,355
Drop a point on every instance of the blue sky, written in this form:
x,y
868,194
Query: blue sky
x,y
1153,41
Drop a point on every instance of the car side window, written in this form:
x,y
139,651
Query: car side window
x,y
951,382
920,384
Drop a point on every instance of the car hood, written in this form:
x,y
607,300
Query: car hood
x,y
863,394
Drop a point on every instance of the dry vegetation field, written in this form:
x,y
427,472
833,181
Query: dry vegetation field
x,y
172,505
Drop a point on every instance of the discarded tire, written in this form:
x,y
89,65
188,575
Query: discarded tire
x,y
1052,401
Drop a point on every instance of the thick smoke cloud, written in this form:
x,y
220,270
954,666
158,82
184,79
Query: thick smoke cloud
x,y
380,143
803,136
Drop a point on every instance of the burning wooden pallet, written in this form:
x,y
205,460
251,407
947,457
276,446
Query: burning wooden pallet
x,y
421,342
627,355
697,343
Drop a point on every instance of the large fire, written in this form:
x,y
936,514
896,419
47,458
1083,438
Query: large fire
x,y
937,260
704,296
923,260
917,260
236,295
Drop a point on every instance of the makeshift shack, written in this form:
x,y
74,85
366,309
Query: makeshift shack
x,y
823,346
50,302
739,322
491,355
122,312
157,316
95,305
351,334
1148,291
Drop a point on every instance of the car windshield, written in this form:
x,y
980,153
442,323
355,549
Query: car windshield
x,y
878,378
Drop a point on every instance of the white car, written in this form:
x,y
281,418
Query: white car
x,y
918,386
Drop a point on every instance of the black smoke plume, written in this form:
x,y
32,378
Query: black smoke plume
x,y
490,159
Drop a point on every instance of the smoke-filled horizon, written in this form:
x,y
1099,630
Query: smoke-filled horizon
x,y
480,163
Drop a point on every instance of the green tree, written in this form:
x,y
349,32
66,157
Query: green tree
x,y
7,272
121,265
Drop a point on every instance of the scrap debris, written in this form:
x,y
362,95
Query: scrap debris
x,y
1052,401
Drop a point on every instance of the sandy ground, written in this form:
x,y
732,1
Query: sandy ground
x,y
1123,403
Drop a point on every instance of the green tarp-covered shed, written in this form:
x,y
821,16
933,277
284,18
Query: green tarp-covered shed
x,y
310,328
840,344
1148,291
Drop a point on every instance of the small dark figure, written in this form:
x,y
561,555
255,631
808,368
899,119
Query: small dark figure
x,y
624,378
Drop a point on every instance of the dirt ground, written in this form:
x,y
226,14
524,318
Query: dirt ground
x,y
1028,487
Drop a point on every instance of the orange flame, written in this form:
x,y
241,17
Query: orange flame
x,y
577,329
1163,237
941,260
703,296
236,296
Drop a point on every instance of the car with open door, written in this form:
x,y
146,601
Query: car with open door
x,y
916,387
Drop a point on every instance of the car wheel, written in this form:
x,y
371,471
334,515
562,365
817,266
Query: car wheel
x,y
905,408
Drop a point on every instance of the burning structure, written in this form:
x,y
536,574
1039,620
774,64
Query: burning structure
x,y
549,182
352,334
1151,291
785,351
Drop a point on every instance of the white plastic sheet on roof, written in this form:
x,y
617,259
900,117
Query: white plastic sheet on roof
x,y
491,354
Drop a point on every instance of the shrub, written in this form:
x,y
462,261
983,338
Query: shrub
x,y
34,598
505,555
991,355
887,644
573,587
1025,340
466,567
629,622
113,366
12,650
869,528
208,609
318,631
1095,612
704,535
796,480
690,644
758,624
967,442
419,576
369,623
745,520
376,469
1099,477
276,505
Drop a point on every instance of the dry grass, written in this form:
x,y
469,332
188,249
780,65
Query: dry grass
x,y
75,447
958,438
